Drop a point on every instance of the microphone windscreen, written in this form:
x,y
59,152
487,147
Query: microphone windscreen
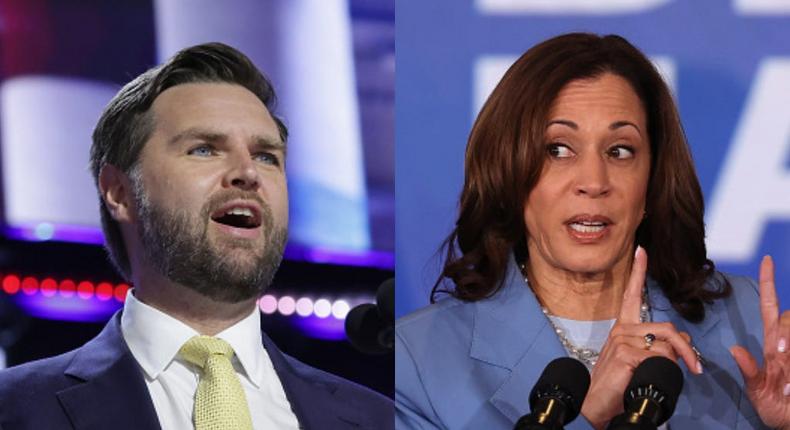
x,y
663,374
571,377
385,300
363,325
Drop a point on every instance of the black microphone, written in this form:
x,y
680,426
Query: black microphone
x,y
369,327
557,397
651,396
385,299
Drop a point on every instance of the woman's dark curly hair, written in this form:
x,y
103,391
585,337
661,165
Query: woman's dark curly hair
x,y
505,155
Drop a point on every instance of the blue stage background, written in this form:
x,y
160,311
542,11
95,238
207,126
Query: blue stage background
x,y
729,65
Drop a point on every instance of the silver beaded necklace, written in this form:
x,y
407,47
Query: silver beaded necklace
x,y
588,356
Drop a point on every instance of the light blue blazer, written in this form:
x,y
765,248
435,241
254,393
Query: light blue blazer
x,y
472,365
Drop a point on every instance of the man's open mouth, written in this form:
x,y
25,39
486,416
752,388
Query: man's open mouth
x,y
238,215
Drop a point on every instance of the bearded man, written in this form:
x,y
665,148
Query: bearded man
x,y
189,162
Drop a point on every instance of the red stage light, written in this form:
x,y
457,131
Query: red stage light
x,y
49,287
85,290
67,288
30,285
104,291
11,284
120,292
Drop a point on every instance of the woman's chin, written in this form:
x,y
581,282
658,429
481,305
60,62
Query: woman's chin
x,y
589,260
592,265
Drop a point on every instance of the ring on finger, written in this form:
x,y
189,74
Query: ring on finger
x,y
700,358
649,339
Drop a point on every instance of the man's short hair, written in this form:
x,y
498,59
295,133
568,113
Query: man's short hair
x,y
127,123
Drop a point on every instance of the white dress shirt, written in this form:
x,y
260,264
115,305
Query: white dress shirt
x,y
154,339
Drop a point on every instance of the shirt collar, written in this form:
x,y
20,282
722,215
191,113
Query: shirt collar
x,y
155,337
247,342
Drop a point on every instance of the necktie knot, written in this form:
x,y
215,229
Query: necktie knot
x,y
220,403
199,349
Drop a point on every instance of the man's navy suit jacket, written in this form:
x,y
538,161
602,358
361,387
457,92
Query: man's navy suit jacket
x,y
101,386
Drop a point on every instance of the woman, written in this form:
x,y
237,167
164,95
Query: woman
x,y
581,233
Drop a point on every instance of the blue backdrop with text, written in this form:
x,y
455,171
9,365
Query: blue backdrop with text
x,y
728,63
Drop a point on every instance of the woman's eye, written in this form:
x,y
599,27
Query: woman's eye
x,y
558,150
202,151
621,152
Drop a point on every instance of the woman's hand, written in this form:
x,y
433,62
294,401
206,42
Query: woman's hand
x,y
768,387
626,347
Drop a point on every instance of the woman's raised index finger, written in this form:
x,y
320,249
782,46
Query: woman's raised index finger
x,y
632,297
769,305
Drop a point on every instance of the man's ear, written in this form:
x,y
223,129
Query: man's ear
x,y
116,191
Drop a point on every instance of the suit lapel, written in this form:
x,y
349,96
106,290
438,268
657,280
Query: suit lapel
x,y
113,392
313,396
510,332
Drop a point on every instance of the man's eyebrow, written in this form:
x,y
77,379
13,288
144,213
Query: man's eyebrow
x,y
269,142
197,133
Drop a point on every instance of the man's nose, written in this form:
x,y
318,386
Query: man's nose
x,y
242,172
592,176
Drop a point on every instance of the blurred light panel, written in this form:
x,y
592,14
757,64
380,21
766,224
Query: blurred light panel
x,y
43,133
322,328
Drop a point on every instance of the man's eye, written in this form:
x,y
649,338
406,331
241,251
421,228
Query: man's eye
x,y
201,151
621,152
267,158
559,150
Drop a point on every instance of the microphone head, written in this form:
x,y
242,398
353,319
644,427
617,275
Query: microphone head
x,y
385,300
659,378
363,325
567,379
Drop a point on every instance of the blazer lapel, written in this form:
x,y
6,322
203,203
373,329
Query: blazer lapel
x,y
703,403
113,393
511,332
662,311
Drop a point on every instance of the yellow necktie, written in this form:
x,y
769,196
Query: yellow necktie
x,y
220,403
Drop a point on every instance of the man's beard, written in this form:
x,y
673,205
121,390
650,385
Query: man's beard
x,y
178,246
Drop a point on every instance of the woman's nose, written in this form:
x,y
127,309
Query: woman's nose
x,y
592,177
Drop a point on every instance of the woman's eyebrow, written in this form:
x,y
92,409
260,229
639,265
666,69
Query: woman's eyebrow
x,y
565,122
613,126
620,124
